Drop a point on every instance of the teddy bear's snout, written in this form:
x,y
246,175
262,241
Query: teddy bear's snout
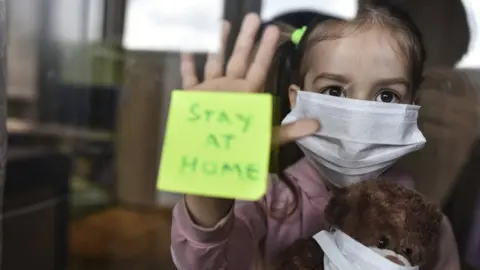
x,y
391,256
395,259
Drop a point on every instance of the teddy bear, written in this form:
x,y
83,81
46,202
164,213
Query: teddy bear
x,y
371,218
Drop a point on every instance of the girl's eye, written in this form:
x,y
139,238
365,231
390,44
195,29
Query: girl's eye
x,y
387,96
333,91
383,242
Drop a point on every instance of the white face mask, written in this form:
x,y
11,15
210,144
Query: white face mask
x,y
358,140
341,252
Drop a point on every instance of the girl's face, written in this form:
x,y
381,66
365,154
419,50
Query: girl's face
x,y
364,66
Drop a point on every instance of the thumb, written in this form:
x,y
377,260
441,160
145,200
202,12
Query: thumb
x,y
293,131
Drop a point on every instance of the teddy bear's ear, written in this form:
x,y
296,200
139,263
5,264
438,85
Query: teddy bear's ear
x,y
336,210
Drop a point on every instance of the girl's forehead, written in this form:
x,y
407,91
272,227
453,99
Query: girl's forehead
x,y
365,49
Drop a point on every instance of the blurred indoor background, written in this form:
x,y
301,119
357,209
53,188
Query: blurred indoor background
x,y
86,121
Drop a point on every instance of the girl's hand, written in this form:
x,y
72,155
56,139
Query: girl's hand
x,y
243,74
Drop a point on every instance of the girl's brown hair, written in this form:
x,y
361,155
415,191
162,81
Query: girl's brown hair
x,y
290,63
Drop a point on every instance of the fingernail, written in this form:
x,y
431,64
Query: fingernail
x,y
251,18
272,30
226,25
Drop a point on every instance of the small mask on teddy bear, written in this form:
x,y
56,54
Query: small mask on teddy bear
x,y
375,225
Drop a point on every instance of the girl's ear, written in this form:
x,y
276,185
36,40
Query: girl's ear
x,y
417,88
415,99
292,94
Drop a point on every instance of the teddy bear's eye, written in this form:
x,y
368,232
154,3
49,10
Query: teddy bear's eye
x,y
382,242
407,251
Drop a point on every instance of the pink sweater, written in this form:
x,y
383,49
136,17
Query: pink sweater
x,y
237,241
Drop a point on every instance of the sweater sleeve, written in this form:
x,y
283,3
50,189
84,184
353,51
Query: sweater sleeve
x,y
231,244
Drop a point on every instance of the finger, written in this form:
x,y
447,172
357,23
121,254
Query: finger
x,y
457,121
439,104
187,70
432,96
257,74
238,63
294,131
214,64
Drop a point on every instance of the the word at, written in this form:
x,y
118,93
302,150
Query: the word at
x,y
222,141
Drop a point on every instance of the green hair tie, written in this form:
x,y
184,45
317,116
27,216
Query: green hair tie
x,y
297,35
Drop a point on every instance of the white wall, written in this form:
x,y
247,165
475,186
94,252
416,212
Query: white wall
x,y
23,28
76,20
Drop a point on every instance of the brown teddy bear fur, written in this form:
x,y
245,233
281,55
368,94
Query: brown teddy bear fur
x,y
375,213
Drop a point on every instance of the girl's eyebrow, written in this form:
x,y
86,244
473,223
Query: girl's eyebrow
x,y
343,79
392,81
332,77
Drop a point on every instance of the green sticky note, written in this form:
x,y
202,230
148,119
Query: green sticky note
x,y
217,144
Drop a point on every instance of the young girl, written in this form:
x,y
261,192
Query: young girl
x,y
358,78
